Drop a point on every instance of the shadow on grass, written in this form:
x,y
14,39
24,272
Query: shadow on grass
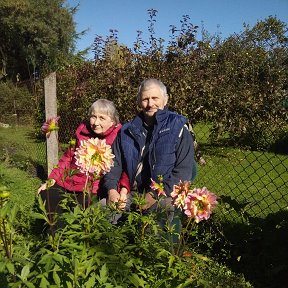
x,y
3,280
259,250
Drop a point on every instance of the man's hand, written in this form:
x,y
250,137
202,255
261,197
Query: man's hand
x,y
123,198
119,198
150,201
113,196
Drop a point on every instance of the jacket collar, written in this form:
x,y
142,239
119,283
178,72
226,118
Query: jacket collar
x,y
137,128
161,114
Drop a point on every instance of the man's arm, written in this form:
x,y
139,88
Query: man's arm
x,y
185,164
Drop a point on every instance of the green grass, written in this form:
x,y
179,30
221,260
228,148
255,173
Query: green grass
x,y
254,177
20,141
21,157
258,178
21,185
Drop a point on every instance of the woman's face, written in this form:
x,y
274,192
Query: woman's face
x,y
100,123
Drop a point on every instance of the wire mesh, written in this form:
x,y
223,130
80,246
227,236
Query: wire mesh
x,y
256,180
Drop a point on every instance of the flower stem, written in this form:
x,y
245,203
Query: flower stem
x,y
183,240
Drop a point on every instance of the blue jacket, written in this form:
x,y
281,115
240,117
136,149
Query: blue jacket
x,y
170,152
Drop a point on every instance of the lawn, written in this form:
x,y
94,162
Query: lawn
x,y
255,178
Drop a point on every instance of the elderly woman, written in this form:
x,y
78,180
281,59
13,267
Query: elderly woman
x,y
103,123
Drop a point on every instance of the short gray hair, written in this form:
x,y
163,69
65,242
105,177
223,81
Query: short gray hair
x,y
105,106
146,84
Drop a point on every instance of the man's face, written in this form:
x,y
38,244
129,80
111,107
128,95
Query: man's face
x,y
151,100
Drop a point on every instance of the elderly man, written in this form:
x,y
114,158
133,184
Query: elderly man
x,y
155,143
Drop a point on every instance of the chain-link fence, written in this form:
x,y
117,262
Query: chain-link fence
x,y
249,182
255,182
252,183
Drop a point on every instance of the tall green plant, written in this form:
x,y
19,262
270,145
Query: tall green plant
x,y
89,251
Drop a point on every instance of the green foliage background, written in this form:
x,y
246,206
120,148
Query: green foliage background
x,y
36,36
238,83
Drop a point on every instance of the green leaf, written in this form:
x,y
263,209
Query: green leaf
x,y
56,278
44,283
161,253
2,266
137,281
73,172
29,284
68,284
25,272
129,263
89,266
91,282
58,258
4,211
10,268
103,275
74,246
39,216
171,260
13,213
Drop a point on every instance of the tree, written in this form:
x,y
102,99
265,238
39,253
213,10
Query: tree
x,y
35,36
247,80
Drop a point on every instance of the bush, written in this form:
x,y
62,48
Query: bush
x,y
16,105
237,84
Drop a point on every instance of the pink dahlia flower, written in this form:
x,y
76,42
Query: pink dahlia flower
x,y
179,193
199,204
50,125
158,187
94,156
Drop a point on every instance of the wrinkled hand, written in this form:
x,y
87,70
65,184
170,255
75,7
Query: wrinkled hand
x,y
120,198
150,201
113,196
45,186
123,198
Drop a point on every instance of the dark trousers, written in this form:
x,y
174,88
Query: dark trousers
x,y
53,198
55,194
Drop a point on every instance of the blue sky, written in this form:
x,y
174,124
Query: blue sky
x,y
128,16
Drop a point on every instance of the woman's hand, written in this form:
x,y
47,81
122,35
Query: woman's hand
x,y
49,183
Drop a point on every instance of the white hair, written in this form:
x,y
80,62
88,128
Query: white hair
x,y
106,107
146,84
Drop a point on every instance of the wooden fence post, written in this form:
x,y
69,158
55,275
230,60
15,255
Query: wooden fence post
x,y
51,111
